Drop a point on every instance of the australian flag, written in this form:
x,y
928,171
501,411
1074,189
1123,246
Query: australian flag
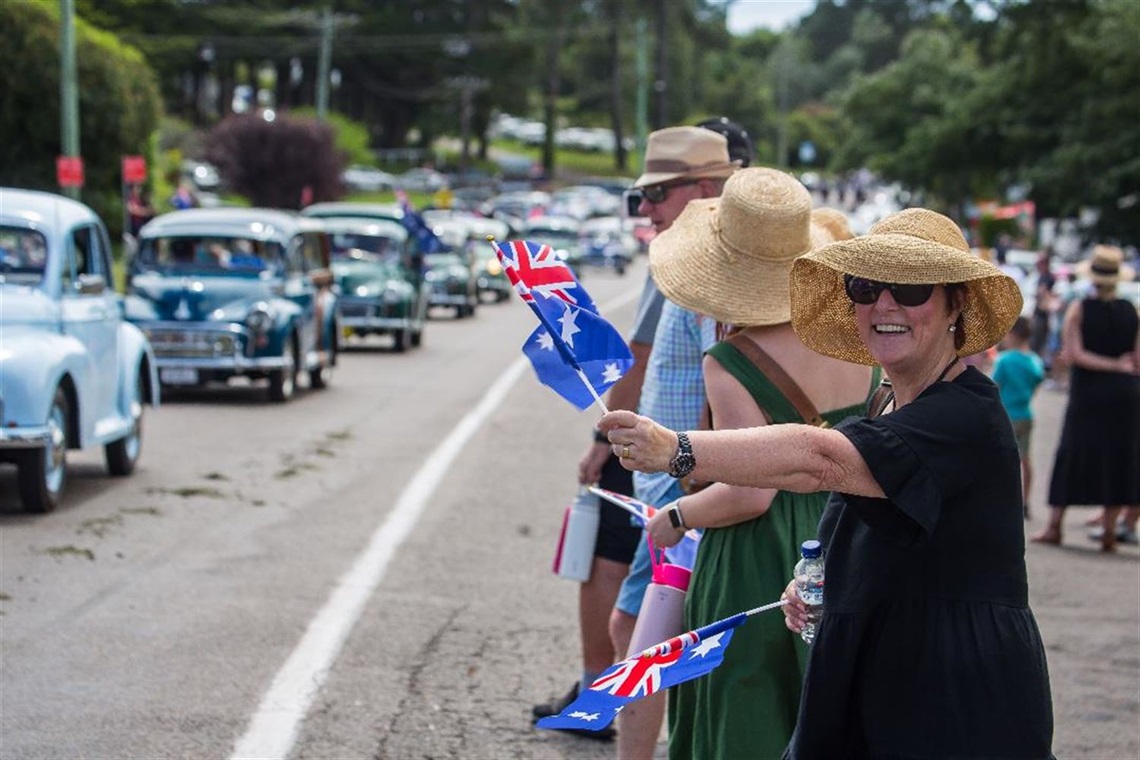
x,y
573,345
682,658
426,240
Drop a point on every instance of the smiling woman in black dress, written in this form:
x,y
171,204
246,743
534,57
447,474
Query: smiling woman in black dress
x,y
927,647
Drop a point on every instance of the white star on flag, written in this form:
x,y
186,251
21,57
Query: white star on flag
x,y
545,342
585,715
707,645
612,373
568,327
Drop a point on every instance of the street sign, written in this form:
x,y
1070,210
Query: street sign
x,y
134,170
69,171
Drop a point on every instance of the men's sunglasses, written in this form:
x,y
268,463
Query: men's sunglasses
x,y
863,291
658,193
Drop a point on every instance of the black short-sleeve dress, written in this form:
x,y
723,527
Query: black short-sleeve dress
x,y
927,647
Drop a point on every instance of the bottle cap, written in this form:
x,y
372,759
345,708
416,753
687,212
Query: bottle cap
x,y
676,576
811,549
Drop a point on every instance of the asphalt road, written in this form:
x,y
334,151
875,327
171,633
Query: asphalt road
x,y
171,614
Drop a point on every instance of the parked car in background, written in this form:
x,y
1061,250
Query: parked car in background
x,y
73,373
379,280
235,292
367,179
422,180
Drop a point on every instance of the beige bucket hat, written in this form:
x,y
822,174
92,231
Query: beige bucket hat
x,y
730,257
685,152
912,247
1105,266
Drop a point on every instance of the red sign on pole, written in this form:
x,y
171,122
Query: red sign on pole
x,y
134,170
69,171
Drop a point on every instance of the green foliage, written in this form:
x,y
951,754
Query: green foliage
x,y
352,139
119,105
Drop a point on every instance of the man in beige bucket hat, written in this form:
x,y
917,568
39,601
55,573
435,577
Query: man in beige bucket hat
x,y
681,164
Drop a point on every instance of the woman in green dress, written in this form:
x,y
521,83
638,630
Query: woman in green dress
x,y
730,258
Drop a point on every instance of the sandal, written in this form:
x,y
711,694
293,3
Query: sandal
x,y
1049,535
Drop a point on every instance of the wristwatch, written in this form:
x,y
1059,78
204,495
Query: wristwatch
x,y
683,461
676,519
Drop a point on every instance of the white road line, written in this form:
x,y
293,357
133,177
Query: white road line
x,y
273,729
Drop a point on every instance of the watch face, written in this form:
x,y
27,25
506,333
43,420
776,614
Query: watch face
x,y
682,465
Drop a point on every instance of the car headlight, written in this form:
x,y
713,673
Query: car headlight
x,y
259,319
494,268
432,275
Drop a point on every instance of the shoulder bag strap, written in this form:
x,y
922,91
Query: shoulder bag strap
x,y
781,379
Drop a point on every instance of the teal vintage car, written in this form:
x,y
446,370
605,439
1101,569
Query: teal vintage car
x,y
379,280
235,292
73,373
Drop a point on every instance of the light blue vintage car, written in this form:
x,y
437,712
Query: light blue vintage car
x,y
73,373
235,292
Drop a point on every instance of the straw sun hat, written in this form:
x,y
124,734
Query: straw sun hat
x,y
729,257
685,153
1106,266
912,247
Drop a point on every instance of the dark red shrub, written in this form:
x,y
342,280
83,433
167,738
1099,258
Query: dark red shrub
x,y
273,162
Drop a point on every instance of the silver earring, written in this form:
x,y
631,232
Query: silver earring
x,y
953,328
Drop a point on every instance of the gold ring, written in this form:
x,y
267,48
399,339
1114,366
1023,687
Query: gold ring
x,y
625,451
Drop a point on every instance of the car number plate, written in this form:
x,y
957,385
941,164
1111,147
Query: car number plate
x,y
178,375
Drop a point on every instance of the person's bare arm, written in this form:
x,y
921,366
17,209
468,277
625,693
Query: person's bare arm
x,y
1079,356
797,458
624,394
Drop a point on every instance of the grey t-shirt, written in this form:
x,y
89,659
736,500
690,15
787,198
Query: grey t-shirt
x,y
648,313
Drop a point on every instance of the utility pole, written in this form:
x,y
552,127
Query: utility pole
x,y
324,63
68,93
641,115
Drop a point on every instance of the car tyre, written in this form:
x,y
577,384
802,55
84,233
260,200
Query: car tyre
x,y
400,340
283,382
417,337
43,472
123,454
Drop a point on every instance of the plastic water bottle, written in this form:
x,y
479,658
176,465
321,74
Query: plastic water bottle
x,y
809,585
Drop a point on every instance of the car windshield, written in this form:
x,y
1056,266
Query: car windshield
x,y
554,238
210,254
23,256
350,245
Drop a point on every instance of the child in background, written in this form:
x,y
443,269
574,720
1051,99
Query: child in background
x,y
1017,372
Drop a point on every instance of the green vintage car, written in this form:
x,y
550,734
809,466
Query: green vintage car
x,y
377,274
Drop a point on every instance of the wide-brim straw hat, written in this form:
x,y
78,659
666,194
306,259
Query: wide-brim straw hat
x,y
678,153
1106,266
912,247
834,221
730,257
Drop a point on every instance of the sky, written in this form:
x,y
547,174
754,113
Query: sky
x,y
746,15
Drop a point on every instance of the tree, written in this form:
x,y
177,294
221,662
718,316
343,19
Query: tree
x,y
119,105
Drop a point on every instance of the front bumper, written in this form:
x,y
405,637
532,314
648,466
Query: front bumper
x,y
359,316
32,437
223,348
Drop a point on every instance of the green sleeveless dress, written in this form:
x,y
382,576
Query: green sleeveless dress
x,y
747,707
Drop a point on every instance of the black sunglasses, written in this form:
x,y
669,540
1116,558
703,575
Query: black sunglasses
x,y
658,193
863,291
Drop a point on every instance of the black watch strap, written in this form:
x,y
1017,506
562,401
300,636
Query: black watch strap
x,y
600,437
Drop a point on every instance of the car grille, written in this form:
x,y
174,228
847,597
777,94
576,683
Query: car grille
x,y
195,344
357,309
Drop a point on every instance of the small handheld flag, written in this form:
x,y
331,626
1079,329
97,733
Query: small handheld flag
x,y
682,658
574,351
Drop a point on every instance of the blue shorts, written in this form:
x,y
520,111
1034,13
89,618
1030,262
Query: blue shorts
x,y
641,570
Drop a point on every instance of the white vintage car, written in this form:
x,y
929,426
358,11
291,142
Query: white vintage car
x,y
73,373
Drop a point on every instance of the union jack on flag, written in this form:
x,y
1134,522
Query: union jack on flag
x,y
574,351
536,268
682,658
